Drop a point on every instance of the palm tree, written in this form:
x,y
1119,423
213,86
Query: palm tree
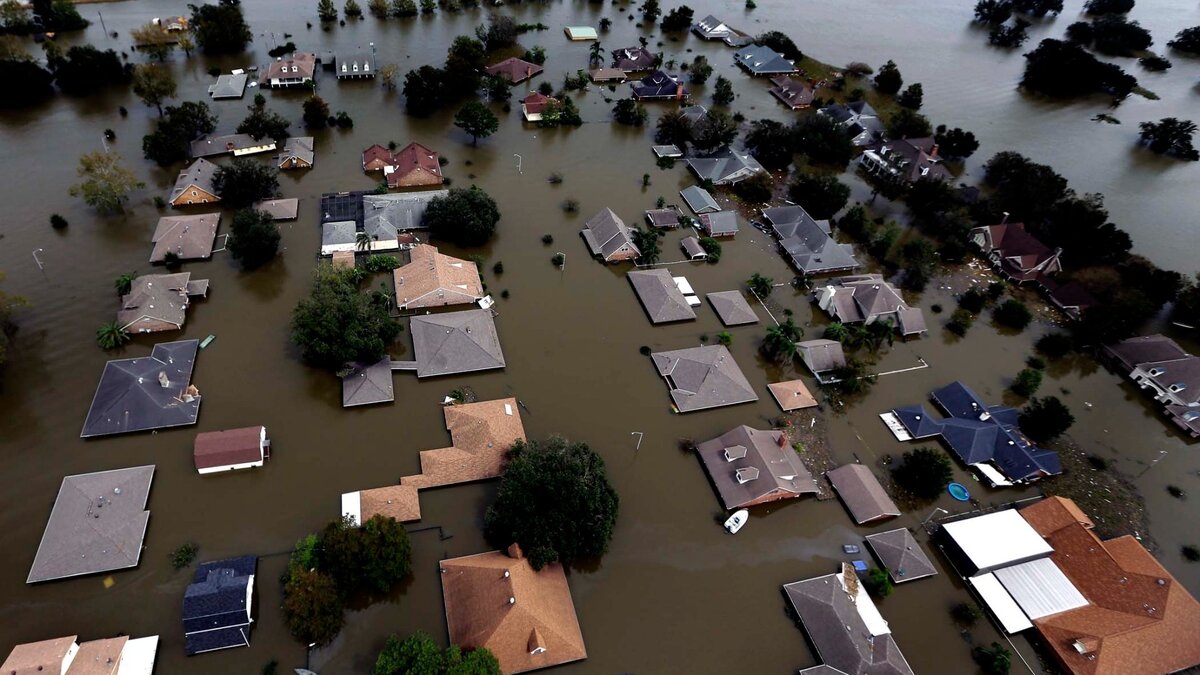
x,y
874,334
111,335
597,54
779,344
124,283
836,331
760,285
363,241
803,282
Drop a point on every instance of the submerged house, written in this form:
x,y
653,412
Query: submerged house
x,y
609,238
792,92
1016,254
185,237
905,161
433,279
534,104
231,85
159,302
809,243
750,466
64,656
297,153
821,356
986,438
525,617
699,200
634,59
719,224
712,28
867,298
238,145
859,120
144,393
703,377
195,185
658,86
217,605
296,70
1159,365
862,493
354,65
759,60
725,167
414,165
454,343
514,70
662,299
231,449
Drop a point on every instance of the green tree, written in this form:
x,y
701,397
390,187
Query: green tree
x,y
1038,7
823,141
465,217
352,10
673,128
994,660
427,6
312,607
85,70
336,324
124,283
153,84
1009,37
630,113
723,91
1171,136
387,553
106,184
255,238
1027,382
58,15
836,331
713,130
1065,70
27,83
700,70
316,112
781,43
993,12
678,19
956,143
780,341
1045,419
263,123
646,241
771,143
424,90
760,285
465,61
326,10
171,139
245,181
555,501
878,583
908,123
756,189
403,8
153,40
378,8
650,10
418,654
822,195
888,80
924,472
851,379
1013,314
1055,345
501,32
477,120
220,28
912,97
111,335
1187,40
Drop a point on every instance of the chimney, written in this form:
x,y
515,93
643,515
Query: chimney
x,y
933,152
514,551
679,92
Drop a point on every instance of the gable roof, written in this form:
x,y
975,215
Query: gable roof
x,y
38,658
198,174
725,166
866,298
188,237
712,28
720,223
699,200
299,147
97,524
524,617
660,296
862,493
703,377
376,153
216,605
792,92
633,59
433,279
777,469
1145,349
821,356
732,307
844,625
514,70
354,64
606,234
812,249
760,60
535,102
901,555
910,159
658,84
131,397
458,342
1139,619
367,384
297,66
154,300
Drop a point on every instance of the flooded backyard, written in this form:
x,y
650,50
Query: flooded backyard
x,y
675,593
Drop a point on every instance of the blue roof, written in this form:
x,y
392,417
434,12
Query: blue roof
x,y
979,433
215,610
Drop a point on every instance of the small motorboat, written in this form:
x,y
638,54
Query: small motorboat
x,y
737,521
849,549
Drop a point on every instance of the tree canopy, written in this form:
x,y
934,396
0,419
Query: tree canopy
x,y
1064,70
263,123
245,181
466,217
220,28
153,84
822,195
477,120
771,143
678,19
418,654
85,69
179,125
27,83
1045,419
105,184
781,43
957,143
714,130
254,238
336,324
424,90
1187,40
312,607
1171,136
629,112
889,80
555,501
823,141
924,472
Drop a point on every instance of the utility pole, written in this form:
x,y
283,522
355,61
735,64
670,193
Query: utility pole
x,y
102,22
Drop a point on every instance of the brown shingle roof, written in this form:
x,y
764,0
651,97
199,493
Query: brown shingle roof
x,y
38,658
436,280
514,70
231,446
862,493
189,237
98,657
496,600
1140,620
792,395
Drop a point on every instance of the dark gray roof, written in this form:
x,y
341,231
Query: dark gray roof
x,y
228,86
784,220
606,234
725,166
131,396
720,223
97,524
457,342
354,64
699,200
861,492
339,233
660,296
1144,349
703,377
749,465
300,147
732,307
900,553
821,356
216,611
199,173
760,60
842,638
867,298
691,246
807,242
632,59
211,146
400,211
658,85
667,217
155,299
367,384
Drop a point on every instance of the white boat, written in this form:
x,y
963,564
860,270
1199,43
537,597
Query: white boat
x,y
736,521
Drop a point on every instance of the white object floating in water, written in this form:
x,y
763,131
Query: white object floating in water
x,y
737,521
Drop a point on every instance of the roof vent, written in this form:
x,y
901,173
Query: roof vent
x,y
1155,372
1085,645
512,600
1177,387
735,452
506,574
746,474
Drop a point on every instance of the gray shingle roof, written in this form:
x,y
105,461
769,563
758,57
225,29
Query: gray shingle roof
x,y
807,242
280,209
660,296
1144,349
732,307
154,300
760,60
97,524
703,377
228,86
199,173
725,166
861,492
300,147
339,233
606,234
841,636
400,211
367,384
867,298
130,396
821,356
901,555
699,200
188,237
692,248
780,473
458,342
211,146
355,64
720,223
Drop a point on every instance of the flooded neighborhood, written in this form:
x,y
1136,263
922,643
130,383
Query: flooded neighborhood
x,y
452,337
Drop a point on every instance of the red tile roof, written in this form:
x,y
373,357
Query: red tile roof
x,y
415,164
232,446
514,70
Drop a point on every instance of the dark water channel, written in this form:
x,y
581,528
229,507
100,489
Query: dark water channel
x,y
675,593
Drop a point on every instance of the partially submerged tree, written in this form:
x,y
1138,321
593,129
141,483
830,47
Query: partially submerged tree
x,y
220,28
245,181
153,40
723,91
418,654
316,112
1045,419
629,112
263,123
1170,136
337,324
924,472
153,84
254,238
555,501
106,183
477,120
171,139
889,80
312,607
466,217
821,195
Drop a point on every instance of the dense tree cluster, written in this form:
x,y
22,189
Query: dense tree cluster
x,y
466,217
254,238
1111,34
179,125
245,181
1099,7
220,28
337,324
889,80
1187,40
629,112
1064,70
924,472
418,654
1045,419
822,195
781,43
678,19
83,69
1171,136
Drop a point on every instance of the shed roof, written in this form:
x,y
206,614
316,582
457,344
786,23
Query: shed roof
x,y
188,237
778,471
997,539
131,395
703,377
229,446
367,384
901,555
458,342
659,295
732,307
699,200
862,493
97,524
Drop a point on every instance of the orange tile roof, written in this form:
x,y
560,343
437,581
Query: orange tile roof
x,y
38,658
792,395
415,164
98,657
481,434
525,617
1140,620
436,280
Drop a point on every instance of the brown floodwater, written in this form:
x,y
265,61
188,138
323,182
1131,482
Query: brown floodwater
x,y
675,593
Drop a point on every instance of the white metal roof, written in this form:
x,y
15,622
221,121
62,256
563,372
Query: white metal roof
x,y
1040,588
1000,604
352,506
875,622
137,656
991,474
684,287
997,539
